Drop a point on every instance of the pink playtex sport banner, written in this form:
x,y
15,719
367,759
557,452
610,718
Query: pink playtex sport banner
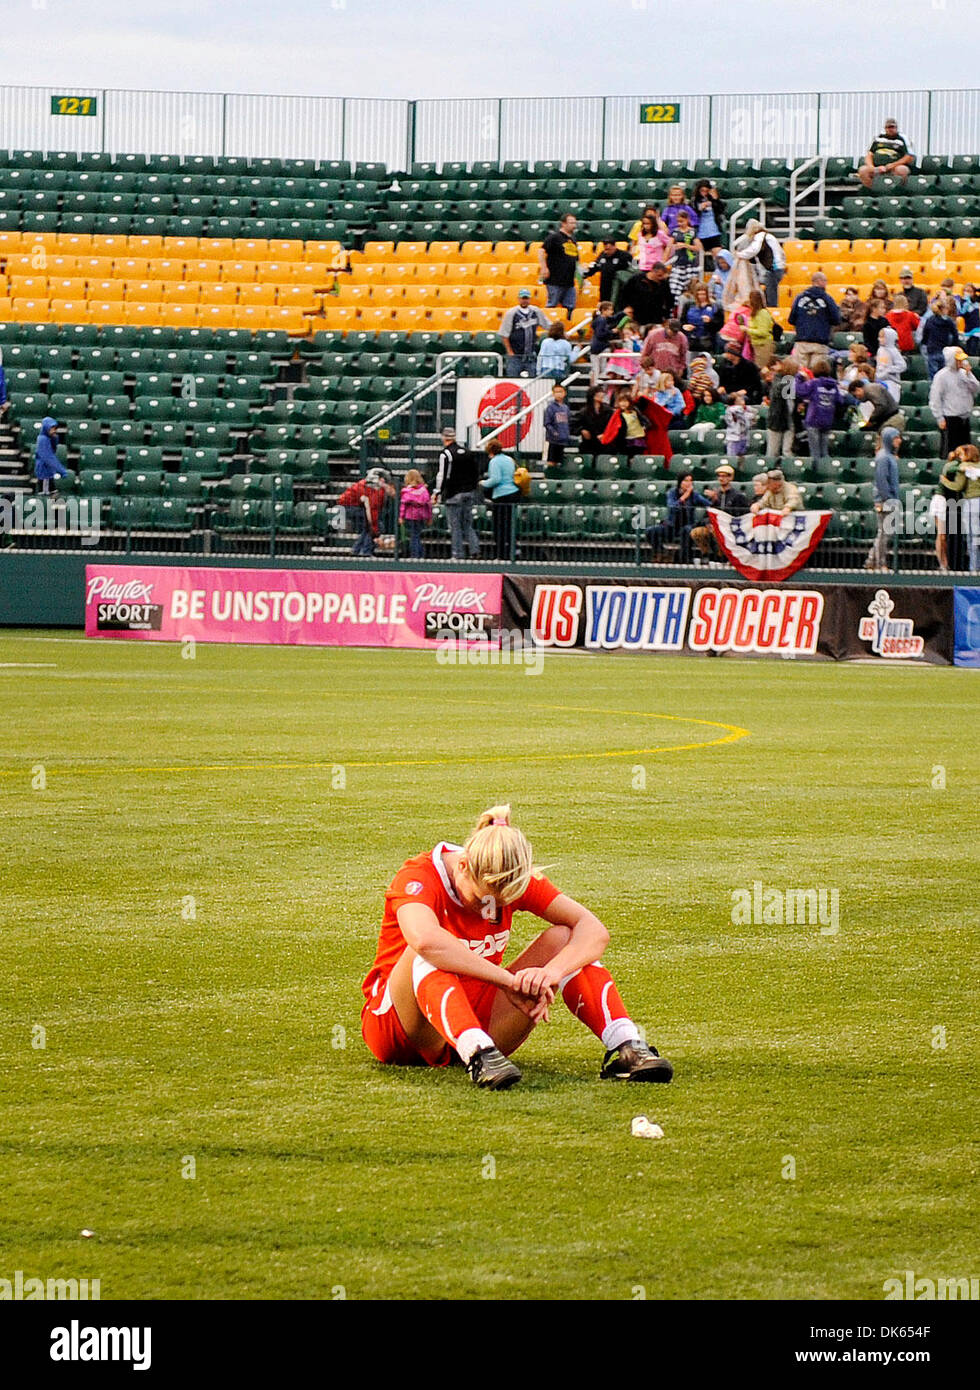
x,y
325,608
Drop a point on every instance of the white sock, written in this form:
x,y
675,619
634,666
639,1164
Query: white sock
x,y
620,1031
471,1040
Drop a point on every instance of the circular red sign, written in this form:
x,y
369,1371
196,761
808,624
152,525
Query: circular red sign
x,y
499,404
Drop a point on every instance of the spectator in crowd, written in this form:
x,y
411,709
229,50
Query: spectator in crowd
x,y
724,498
592,420
760,327
739,419
634,231
876,319
823,394
917,299
457,486
504,496
702,321
414,511
904,322
780,495
682,504
879,290
365,500
888,153
765,256
938,507
889,362
853,311
887,499
673,208
626,427
813,317
649,296
557,424
555,353
603,328
736,373
667,395
938,332
701,372
884,409
710,208
611,263
952,397
624,360
709,410
857,357
665,349
558,263
718,279
780,402
961,480
760,486
519,333
687,249
47,464
653,242
968,308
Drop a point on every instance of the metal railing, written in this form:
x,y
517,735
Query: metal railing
x,y
760,203
474,439
797,194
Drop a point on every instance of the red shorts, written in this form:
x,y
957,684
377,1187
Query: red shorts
x,y
384,1034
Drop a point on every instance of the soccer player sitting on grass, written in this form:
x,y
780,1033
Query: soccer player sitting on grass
x,y
437,986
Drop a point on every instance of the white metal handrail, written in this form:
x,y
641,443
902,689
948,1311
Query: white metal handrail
x,y
472,441
760,203
797,194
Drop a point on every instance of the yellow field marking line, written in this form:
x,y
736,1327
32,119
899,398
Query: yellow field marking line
x,y
734,733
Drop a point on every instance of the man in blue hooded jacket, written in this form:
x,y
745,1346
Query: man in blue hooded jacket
x,y
47,464
887,500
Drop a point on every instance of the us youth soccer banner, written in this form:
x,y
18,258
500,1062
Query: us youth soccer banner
x,y
830,622
291,607
492,401
768,545
966,640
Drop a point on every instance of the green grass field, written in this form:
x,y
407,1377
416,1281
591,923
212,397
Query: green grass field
x,y
226,1029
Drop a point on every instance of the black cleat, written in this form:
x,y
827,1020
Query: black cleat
x,y
635,1061
490,1068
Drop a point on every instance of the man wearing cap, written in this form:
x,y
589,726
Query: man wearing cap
x,y
780,495
737,373
365,499
519,333
888,154
611,262
917,298
457,487
951,399
726,498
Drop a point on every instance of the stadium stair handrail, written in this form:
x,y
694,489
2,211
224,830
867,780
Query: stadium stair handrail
x,y
733,220
797,194
516,419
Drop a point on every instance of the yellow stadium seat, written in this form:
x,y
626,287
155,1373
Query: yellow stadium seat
x,y
29,310
10,240
872,248
105,310
180,315
476,251
181,292
132,268
520,274
313,273
374,317
102,243
257,294
498,297
374,251
833,250
421,296
508,251
445,320
964,248
181,248
842,272
458,295
382,296
411,251
145,245
901,251
446,251
289,321
75,243
408,318
799,250
68,311
276,272
22,263
374,272
239,272
209,248
217,315
798,273
207,272
352,294
99,267
216,293
254,317
141,311
144,291
322,250
30,287
250,249
935,251
482,320
336,315
434,272
286,250
106,291
167,269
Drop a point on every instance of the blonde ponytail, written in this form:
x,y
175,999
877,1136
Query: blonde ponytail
x,y
499,855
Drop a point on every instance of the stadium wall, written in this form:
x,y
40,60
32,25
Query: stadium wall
x,y
398,133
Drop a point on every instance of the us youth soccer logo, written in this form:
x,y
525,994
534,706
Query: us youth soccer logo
x,y
768,545
890,637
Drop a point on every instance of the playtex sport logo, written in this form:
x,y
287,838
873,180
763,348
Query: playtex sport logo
x,y
460,614
774,622
123,607
889,637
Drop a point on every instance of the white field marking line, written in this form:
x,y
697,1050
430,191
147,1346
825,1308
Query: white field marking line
x,y
28,665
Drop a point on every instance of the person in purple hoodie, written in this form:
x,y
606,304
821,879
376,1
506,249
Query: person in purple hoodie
x,y
823,395
556,424
673,208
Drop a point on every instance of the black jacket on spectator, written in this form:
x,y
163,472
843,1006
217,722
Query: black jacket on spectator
x,y
458,472
733,501
651,300
740,375
607,268
595,422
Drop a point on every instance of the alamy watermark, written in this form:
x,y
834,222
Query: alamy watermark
x,y
943,1289
28,1289
502,647
777,907
51,515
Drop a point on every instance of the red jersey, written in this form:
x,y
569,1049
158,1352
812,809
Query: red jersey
x,y
425,879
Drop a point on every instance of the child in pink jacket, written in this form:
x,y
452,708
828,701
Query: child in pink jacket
x,y
415,510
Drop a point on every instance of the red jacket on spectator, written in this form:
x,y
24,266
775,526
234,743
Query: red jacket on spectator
x,y
354,497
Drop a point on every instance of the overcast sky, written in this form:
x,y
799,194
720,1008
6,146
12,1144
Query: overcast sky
x,y
451,48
